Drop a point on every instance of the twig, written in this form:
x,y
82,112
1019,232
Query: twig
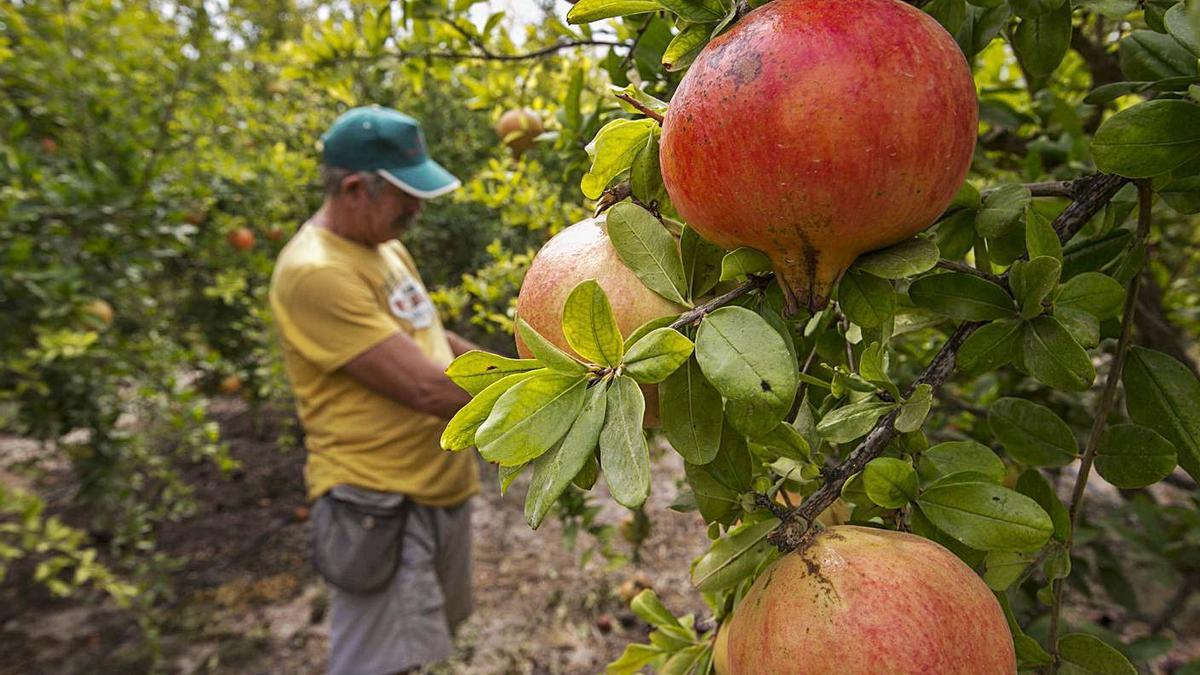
x,y
467,56
757,282
1054,188
1094,192
1175,605
641,107
967,269
613,195
1100,421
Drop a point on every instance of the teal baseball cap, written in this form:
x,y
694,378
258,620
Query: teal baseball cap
x,y
391,144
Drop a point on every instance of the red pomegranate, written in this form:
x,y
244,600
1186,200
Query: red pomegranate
x,y
816,130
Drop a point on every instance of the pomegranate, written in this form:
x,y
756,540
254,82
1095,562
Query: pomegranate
x,y
858,600
816,130
518,128
578,253
242,239
100,310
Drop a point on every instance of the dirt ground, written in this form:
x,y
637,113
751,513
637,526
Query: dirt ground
x,y
248,602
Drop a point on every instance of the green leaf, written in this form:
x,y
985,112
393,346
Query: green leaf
x,y
701,262
1040,237
1028,8
645,329
1087,655
990,347
987,517
691,410
645,177
647,605
624,455
1083,327
962,296
477,370
554,471
1053,357
1133,456
908,258
657,355
1004,568
613,151
849,422
1094,253
949,13
1032,433
719,484
508,474
1161,393
546,352
1148,139
1034,485
1002,208
1097,294
743,262
684,47
922,527
952,457
787,441
1031,281
634,659
696,11
955,235
586,11
866,299
1148,56
459,433
734,557
1182,194
648,249
1184,28
889,482
1043,40
1029,652
590,327
913,411
530,418
745,358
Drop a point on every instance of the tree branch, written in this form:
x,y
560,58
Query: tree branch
x,y
1093,193
1100,421
757,282
641,108
488,56
967,269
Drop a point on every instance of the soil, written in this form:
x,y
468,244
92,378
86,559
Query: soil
x,y
247,600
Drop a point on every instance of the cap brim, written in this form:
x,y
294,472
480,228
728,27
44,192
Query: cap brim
x,y
426,180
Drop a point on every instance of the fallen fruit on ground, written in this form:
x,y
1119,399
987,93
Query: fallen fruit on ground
x,y
580,252
242,239
858,601
231,384
816,130
518,128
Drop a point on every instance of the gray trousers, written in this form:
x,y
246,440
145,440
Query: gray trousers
x,y
410,621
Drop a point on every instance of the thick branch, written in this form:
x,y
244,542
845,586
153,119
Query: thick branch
x,y
1107,399
1093,193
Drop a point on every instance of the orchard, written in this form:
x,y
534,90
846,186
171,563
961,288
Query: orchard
x,y
825,336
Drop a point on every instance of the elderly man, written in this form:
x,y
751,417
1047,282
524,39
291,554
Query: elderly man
x,y
366,352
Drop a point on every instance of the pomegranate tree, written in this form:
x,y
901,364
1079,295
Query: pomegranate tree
x,y
816,130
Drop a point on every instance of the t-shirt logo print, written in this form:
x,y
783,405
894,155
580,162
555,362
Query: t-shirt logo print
x,y
408,301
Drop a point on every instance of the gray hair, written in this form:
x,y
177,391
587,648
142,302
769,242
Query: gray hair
x,y
332,177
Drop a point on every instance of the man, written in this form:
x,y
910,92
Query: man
x,y
366,352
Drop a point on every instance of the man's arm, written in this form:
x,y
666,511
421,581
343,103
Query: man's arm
x,y
397,369
460,345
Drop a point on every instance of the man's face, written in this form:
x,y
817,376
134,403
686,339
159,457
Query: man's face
x,y
384,216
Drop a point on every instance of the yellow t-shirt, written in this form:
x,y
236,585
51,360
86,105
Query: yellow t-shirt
x,y
333,300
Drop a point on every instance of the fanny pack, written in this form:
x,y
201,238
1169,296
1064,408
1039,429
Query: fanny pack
x,y
356,537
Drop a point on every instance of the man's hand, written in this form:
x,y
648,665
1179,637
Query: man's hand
x,y
397,369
